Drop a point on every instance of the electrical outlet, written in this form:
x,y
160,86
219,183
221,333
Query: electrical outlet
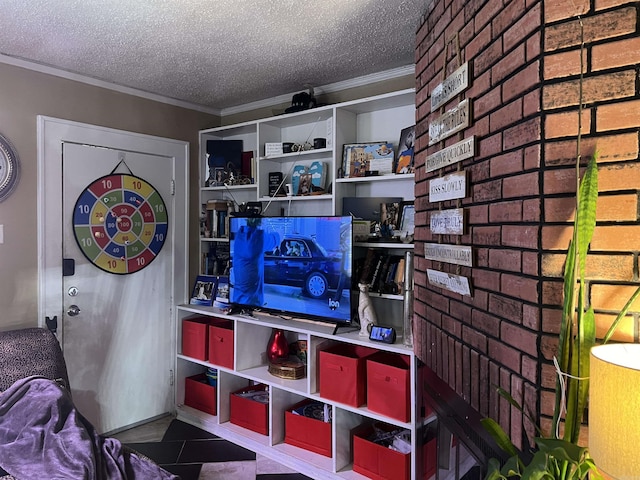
x,y
1,234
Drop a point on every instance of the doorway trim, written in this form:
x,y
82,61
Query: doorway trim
x,y
51,134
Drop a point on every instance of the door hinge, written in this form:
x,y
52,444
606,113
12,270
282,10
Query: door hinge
x,y
171,377
172,187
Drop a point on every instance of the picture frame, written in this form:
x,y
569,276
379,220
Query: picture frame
x,y
404,161
407,218
361,159
204,290
389,218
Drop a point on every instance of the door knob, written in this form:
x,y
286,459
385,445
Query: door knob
x,y
73,310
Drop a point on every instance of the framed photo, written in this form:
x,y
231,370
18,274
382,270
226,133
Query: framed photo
x,y
404,162
360,158
389,217
204,290
304,185
407,217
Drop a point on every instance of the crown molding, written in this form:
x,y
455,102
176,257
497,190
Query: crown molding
x,y
37,67
324,89
266,103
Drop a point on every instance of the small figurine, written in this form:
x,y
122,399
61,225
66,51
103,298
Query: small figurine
x,y
366,313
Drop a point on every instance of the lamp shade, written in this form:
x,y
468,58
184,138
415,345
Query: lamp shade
x,y
614,410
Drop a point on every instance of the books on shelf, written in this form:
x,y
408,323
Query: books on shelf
x,y
382,271
216,219
318,172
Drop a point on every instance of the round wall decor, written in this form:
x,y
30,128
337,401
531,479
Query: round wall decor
x,y
120,223
9,168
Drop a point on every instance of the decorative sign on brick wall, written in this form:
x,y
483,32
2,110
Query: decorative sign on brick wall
x,y
450,122
456,254
454,84
452,154
449,187
449,281
447,222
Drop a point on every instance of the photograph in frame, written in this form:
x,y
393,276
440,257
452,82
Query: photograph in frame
x,y
407,218
204,290
360,158
405,162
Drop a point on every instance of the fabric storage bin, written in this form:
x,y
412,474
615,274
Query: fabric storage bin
x,y
250,413
389,385
305,432
199,394
195,341
343,373
378,461
221,342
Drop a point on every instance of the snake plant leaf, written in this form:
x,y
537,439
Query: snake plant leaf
x,y
586,210
621,315
501,438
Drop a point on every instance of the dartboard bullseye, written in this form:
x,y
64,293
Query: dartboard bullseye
x,y
120,223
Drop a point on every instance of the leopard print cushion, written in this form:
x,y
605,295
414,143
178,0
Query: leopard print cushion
x,y
31,351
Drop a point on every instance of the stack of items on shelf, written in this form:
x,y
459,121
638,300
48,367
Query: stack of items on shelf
x,y
381,270
228,164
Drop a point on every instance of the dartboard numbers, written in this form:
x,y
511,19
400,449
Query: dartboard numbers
x,y
120,223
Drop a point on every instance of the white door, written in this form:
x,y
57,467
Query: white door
x,y
117,282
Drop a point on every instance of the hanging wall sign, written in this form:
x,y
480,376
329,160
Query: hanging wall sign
x,y
448,187
449,281
452,154
447,222
120,223
456,254
454,84
450,122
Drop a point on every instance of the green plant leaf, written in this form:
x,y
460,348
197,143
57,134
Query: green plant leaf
x,y
493,470
621,315
561,449
501,438
538,468
512,467
586,211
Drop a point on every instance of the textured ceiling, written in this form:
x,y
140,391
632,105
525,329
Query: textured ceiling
x,y
214,53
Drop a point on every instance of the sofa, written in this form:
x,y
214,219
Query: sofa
x,y
42,435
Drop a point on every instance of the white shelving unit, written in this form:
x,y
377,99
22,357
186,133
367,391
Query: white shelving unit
x,y
251,334
373,119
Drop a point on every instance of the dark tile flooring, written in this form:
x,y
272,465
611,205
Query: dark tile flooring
x,y
195,454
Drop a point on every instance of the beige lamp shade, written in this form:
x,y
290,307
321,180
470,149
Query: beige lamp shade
x,y
614,410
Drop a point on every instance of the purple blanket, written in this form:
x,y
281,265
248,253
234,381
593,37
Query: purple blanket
x,y
42,435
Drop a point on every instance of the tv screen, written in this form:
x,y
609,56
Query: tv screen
x,y
296,265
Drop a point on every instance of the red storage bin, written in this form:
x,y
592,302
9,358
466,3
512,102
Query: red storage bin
x,y
343,373
221,342
249,413
377,461
307,432
199,394
389,385
195,341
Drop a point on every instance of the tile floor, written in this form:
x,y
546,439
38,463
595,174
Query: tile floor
x,y
195,454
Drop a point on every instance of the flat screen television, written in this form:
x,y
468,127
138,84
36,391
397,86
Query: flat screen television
x,y
295,265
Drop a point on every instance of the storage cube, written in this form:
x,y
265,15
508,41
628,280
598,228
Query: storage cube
x,y
195,341
306,432
221,343
343,373
389,385
199,394
249,413
378,461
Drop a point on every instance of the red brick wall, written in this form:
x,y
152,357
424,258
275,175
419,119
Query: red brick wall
x,y
524,58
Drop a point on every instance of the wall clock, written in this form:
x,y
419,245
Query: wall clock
x,y
9,168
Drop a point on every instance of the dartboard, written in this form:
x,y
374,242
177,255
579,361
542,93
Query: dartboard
x,y
120,223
